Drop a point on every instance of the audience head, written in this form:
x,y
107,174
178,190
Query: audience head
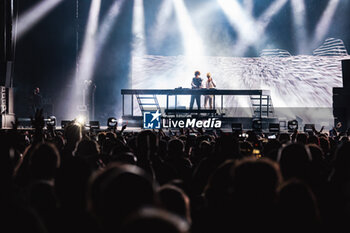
x,y
219,188
295,160
284,138
44,161
297,206
118,191
71,183
155,221
342,162
227,146
301,138
87,148
256,180
72,134
325,144
176,148
313,139
175,200
271,149
124,157
246,149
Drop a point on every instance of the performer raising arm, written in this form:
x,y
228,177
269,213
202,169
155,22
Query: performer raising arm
x,y
196,84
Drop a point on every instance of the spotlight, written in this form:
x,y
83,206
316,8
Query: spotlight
x,y
64,123
237,127
309,128
94,124
51,121
257,125
292,125
274,127
120,121
111,122
80,120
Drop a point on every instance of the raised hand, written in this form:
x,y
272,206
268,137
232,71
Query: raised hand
x,y
123,128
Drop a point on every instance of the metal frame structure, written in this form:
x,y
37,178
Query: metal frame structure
x,y
184,91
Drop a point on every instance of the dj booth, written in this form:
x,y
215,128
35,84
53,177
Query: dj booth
x,y
261,100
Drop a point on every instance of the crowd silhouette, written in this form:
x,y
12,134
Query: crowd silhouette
x,y
78,180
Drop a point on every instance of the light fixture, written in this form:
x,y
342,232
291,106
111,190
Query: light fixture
x,y
292,125
80,120
65,123
51,121
94,124
309,128
274,127
237,127
257,125
112,122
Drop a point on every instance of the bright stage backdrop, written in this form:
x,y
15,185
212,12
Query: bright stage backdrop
x,y
301,86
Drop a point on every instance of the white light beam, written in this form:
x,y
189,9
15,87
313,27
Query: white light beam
x,y
31,17
87,57
138,30
160,28
107,25
192,42
325,22
299,16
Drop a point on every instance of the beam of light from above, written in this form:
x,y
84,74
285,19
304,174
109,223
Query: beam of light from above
x,y
138,45
241,21
299,17
324,23
160,28
193,49
87,57
192,42
31,17
138,30
107,25
86,61
257,28
265,19
249,6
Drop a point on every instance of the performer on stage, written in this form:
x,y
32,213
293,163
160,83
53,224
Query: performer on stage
x,y
209,84
196,84
36,100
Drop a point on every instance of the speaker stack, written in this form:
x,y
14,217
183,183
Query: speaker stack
x,y
341,99
6,63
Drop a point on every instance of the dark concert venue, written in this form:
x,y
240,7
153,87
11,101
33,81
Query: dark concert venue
x,y
184,116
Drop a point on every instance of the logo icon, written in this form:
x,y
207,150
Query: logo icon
x,y
151,120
